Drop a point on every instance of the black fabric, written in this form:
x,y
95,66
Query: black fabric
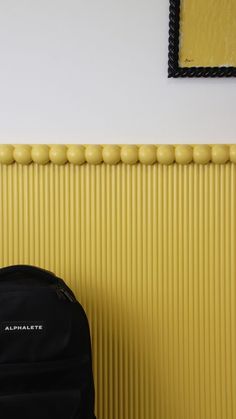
x,y
45,348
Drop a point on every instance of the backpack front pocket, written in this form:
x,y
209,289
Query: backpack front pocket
x,y
60,404
41,390
46,375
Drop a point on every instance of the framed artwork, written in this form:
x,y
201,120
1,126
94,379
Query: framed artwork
x,y
202,38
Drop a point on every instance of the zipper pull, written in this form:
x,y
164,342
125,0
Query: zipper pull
x,y
66,295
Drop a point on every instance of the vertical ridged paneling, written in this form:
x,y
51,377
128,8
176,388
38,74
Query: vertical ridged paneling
x,y
150,252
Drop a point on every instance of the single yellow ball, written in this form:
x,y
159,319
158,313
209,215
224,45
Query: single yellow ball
x,y
147,154
165,154
183,154
76,154
111,154
58,154
22,154
40,154
93,154
129,154
232,153
202,154
6,154
220,154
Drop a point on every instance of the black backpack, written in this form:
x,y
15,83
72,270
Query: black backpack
x,y
45,348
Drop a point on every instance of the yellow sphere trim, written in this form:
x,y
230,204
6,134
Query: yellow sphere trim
x,y
147,154
6,154
201,154
76,154
93,154
183,154
232,153
22,154
129,154
58,154
220,154
40,154
165,154
111,154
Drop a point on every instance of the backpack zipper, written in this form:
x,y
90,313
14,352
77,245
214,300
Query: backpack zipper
x,y
62,292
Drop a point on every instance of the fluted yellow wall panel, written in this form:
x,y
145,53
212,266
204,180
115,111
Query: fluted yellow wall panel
x,y
150,251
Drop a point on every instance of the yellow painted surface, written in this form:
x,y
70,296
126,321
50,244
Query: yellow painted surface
x,y
150,251
207,33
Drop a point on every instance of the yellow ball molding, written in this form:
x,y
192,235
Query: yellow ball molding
x,y
6,154
165,154
22,154
76,154
93,154
220,154
58,154
129,154
147,154
111,154
183,154
40,154
232,153
202,154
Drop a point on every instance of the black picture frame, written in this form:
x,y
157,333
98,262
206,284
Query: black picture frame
x,y
174,70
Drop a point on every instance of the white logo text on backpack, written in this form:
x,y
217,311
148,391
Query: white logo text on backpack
x,y
22,326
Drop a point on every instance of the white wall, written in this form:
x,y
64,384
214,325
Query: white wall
x,y
96,71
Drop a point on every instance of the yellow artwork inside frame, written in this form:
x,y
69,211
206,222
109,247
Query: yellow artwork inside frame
x,y
202,38
207,33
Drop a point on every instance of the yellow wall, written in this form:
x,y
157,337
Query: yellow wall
x,y
208,33
150,251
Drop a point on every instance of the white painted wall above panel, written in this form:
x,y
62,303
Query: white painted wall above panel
x,y
96,71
